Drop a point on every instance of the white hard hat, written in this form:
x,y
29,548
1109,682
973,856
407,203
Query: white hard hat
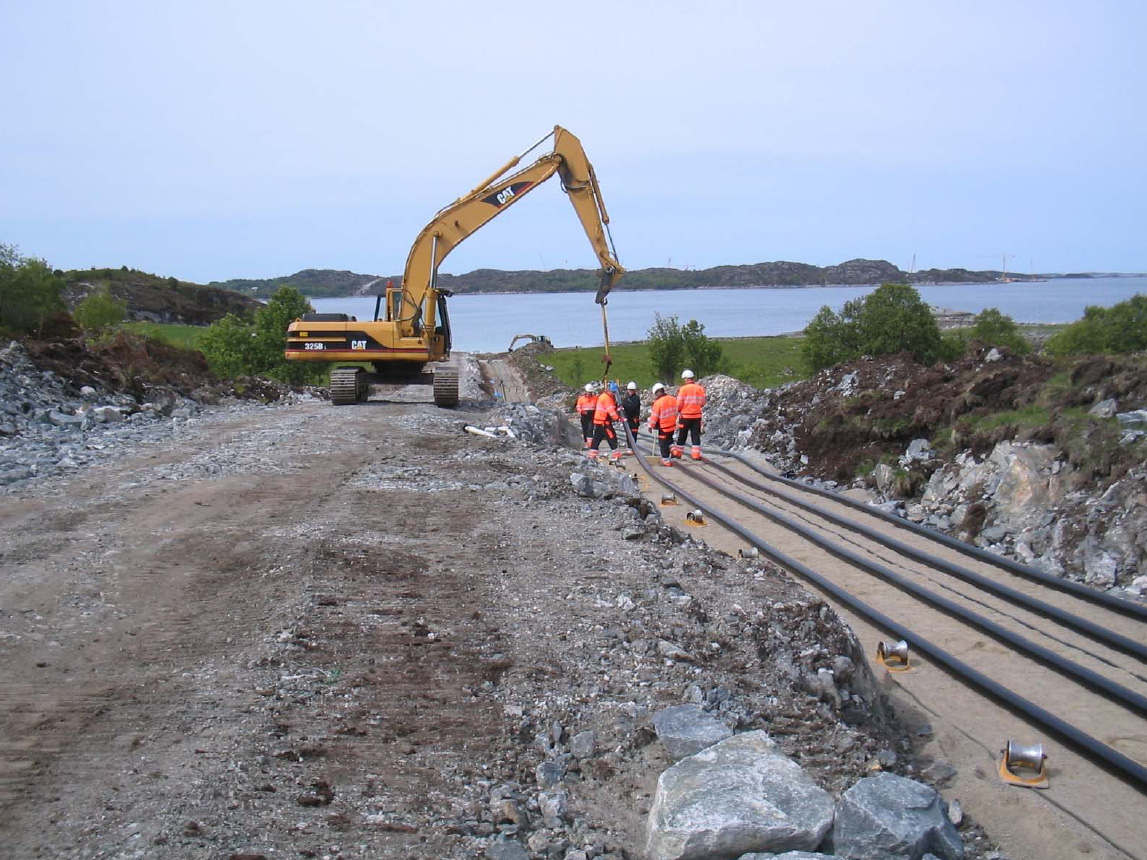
x,y
657,386
687,374
632,386
589,386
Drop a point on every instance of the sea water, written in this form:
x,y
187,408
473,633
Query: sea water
x,y
487,323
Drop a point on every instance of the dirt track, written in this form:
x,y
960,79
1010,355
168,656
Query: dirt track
x,y
309,631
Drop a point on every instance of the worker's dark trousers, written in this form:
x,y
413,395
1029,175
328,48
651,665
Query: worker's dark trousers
x,y
665,440
587,425
689,427
606,432
634,423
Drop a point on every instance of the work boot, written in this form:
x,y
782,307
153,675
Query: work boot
x,y
591,454
666,462
696,455
616,455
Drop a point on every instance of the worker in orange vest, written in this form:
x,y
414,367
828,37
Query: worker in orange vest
x,y
690,402
586,404
604,414
663,421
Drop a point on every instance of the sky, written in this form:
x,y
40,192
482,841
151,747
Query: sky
x,y
214,140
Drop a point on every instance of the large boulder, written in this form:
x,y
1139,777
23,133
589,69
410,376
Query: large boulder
x,y
736,797
687,729
889,816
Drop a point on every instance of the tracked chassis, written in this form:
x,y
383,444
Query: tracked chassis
x,y
350,385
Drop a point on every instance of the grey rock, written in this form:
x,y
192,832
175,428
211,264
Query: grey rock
x,y
994,534
738,796
673,652
888,816
919,449
549,774
687,729
788,855
553,805
1101,570
883,475
106,414
60,419
582,484
956,813
583,745
1137,418
510,849
1104,409
993,355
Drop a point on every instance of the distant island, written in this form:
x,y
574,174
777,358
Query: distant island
x,y
329,283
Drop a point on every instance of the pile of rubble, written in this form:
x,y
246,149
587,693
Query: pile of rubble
x,y
50,425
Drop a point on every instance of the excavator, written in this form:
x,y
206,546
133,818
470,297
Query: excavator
x,y
411,325
528,338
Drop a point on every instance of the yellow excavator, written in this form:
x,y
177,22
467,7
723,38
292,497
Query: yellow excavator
x,y
412,328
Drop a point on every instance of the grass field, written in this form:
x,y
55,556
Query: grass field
x,y
186,336
763,362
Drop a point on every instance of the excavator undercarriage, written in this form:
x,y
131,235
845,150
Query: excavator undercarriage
x,y
350,385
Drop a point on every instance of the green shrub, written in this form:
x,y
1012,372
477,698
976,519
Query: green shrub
x,y
99,311
29,292
233,347
1122,328
672,347
993,328
892,318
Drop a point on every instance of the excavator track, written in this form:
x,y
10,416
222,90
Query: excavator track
x,y
345,386
446,386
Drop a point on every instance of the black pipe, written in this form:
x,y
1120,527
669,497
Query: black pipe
x,y
1129,769
1084,592
1082,625
1085,676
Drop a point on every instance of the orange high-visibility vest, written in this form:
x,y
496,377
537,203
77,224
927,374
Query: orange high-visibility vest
x,y
606,410
586,403
690,399
664,414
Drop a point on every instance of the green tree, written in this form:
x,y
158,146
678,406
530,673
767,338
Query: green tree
x,y
29,291
283,308
702,353
99,310
892,318
666,348
993,328
896,319
828,340
228,346
233,347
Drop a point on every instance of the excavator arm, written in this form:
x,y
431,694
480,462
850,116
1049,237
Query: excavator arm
x,y
489,199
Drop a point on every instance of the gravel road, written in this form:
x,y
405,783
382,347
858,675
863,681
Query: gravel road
x,y
309,631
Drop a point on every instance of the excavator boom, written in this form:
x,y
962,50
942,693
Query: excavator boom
x,y
499,192
414,328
